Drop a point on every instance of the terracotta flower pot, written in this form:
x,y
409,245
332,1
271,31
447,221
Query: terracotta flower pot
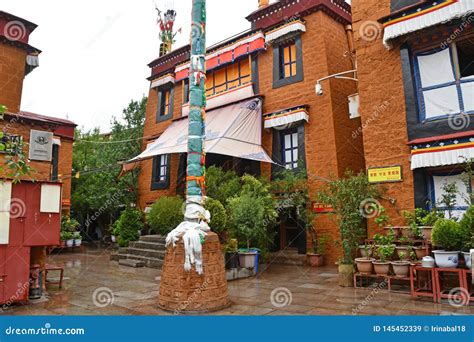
x,y
401,268
315,260
346,275
364,265
426,231
421,252
403,250
381,268
407,232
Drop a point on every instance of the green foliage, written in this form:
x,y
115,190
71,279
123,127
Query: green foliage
x,y
385,252
345,195
76,236
467,229
64,236
16,159
320,244
218,215
69,224
252,212
467,178
232,246
382,219
96,189
447,234
292,188
449,195
129,225
166,214
222,185
388,239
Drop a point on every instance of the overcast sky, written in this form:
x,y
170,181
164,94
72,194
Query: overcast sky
x,y
95,52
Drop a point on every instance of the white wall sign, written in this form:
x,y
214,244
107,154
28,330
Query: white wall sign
x,y
5,199
50,199
41,145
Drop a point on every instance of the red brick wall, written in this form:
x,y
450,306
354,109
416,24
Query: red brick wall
x,y
12,72
383,105
42,170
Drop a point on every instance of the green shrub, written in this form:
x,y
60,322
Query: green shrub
x,y
252,213
218,215
69,224
467,229
222,185
166,214
447,234
128,226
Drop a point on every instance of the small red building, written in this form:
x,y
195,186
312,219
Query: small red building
x,y
30,211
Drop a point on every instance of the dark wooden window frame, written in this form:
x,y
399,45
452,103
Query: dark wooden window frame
x,y
278,69
156,182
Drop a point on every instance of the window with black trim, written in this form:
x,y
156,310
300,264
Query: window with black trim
x,y
287,62
165,103
160,172
290,144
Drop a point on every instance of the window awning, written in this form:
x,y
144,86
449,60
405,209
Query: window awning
x,y
442,153
284,119
293,26
234,130
425,15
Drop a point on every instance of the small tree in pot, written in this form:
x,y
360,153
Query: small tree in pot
x,y
447,236
319,247
385,254
349,197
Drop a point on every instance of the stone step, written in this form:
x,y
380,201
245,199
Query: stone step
x,y
158,246
153,238
132,263
287,258
148,253
149,262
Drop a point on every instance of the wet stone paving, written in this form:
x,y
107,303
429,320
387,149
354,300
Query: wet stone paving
x,y
94,285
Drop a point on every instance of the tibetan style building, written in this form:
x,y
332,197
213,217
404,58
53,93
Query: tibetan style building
x,y
416,86
262,106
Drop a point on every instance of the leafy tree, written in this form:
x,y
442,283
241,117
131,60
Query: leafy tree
x,y
97,192
222,185
15,157
346,196
218,215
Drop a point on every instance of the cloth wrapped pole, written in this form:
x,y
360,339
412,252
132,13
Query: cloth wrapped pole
x,y
193,230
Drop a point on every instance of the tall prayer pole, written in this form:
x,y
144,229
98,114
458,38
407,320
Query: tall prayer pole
x,y
201,288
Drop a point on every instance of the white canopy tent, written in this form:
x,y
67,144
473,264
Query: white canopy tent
x,y
234,130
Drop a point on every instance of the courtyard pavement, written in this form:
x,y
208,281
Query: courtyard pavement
x,y
94,285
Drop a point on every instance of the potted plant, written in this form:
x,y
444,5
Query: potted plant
x,y
401,268
364,264
384,253
231,254
467,235
64,236
447,236
365,251
251,213
316,257
352,198
76,236
421,252
69,239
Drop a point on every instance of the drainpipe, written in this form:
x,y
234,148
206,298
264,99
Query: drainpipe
x,y
350,44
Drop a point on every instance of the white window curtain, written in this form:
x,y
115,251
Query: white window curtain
x,y
468,94
438,90
462,198
436,69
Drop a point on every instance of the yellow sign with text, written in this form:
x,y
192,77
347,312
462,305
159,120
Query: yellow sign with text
x,y
385,174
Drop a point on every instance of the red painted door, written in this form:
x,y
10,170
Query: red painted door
x,y
18,214
17,270
41,229
3,251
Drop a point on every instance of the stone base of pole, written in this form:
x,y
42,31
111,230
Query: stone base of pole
x,y
189,292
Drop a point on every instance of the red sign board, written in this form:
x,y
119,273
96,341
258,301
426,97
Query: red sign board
x,y
321,208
